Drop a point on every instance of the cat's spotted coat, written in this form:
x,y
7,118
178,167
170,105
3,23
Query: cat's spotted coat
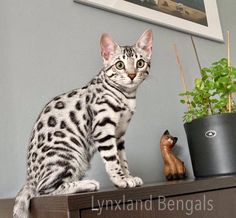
x,y
74,125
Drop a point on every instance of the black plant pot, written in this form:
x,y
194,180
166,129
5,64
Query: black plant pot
x,y
212,145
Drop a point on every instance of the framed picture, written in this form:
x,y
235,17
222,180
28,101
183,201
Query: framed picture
x,y
198,17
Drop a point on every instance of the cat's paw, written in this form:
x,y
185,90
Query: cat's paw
x,y
119,183
128,182
138,181
90,185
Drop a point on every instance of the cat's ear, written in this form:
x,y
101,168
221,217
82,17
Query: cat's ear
x,y
175,139
145,43
166,133
108,47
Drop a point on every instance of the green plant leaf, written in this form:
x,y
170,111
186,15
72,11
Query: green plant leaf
x,y
211,90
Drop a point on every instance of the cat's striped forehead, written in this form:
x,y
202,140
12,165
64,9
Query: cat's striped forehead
x,y
128,51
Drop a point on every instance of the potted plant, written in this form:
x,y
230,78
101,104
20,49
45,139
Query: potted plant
x,y
210,121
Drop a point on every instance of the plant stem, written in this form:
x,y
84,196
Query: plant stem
x,y
195,51
182,75
228,49
211,110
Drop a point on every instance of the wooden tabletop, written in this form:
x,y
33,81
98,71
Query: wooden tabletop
x,y
83,200
167,189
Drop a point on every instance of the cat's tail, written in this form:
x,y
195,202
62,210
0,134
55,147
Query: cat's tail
x,y
22,201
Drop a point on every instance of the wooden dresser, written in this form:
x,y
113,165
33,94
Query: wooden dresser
x,y
211,197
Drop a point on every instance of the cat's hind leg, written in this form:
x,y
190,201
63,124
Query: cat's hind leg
x,y
76,186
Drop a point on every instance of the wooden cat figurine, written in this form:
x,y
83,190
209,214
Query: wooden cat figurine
x,y
173,167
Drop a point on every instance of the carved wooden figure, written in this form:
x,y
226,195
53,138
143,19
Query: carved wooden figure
x,y
173,167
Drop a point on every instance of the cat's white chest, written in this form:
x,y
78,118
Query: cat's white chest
x,y
131,105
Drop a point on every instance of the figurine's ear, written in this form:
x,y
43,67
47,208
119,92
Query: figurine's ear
x,y
166,133
108,46
145,43
175,139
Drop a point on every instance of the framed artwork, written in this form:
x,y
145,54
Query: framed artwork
x,y
197,17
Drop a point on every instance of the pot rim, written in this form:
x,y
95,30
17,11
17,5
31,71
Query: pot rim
x,y
210,117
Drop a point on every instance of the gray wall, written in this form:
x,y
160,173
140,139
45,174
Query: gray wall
x,y
49,47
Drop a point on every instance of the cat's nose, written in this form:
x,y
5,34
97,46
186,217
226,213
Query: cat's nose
x,y
132,75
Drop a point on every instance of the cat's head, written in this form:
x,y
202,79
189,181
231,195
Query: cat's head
x,y
168,140
127,66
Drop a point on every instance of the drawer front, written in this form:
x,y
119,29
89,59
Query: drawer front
x,y
217,204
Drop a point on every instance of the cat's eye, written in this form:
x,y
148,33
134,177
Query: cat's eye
x,y
120,65
140,63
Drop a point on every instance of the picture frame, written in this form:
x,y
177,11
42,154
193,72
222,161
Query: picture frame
x,y
198,17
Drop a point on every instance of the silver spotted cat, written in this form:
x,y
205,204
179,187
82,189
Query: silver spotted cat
x,y
74,125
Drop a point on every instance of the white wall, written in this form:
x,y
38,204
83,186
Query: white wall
x,y
49,47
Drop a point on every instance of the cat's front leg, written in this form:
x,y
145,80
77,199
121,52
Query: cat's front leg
x,y
124,163
105,142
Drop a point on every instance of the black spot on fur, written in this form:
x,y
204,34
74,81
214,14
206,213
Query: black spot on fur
x,y
90,112
98,90
59,134
29,154
97,135
87,99
49,137
35,168
59,105
93,97
46,148
63,125
88,122
106,138
42,167
93,82
105,148
32,136
30,146
72,94
101,110
70,130
105,121
41,159
74,140
39,126
57,98
76,122
40,145
41,137
34,156
51,153
110,158
78,106
48,109
121,146
52,121
95,113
